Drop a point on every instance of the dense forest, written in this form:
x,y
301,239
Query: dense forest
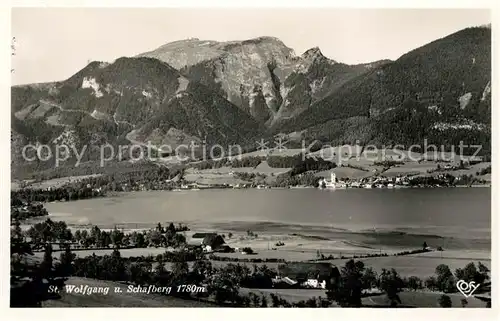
x,y
395,97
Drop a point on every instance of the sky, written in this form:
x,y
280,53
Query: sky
x,y
54,43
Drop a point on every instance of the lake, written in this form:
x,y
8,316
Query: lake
x,y
454,217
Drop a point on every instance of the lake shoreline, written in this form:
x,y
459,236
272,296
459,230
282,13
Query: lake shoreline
x,y
334,240
362,221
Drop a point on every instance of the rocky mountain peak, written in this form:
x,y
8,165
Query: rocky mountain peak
x,y
267,39
314,54
259,41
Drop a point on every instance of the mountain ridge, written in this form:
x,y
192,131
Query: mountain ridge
x,y
239,91
253,74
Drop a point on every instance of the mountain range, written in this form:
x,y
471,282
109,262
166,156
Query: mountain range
x,y
239,91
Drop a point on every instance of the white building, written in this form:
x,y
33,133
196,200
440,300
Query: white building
x,y
324,183
314,283
355,184
332,183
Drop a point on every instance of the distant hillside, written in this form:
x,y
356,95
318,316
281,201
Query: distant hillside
x,y
312,79
240,91
204,115
439,91
106,103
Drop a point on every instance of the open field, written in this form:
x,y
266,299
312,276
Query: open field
x,y
423,167
291,295
486,177
411,168
472,170
279,253
272,152
263,168
468,255
369,155
422,267
298,247
345,172
113,299
213,179
423,299
270,254
123,252
406,266
53,183
225,175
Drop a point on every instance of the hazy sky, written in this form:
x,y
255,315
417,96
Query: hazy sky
x,y
53,44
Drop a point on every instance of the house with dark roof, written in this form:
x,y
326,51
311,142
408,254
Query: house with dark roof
x,y
212,242
208,241
201,236
197,239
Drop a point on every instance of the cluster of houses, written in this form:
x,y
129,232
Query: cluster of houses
x,y
371,182
196,186
401,181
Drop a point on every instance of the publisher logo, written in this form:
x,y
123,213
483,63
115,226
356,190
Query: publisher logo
x,y
467,289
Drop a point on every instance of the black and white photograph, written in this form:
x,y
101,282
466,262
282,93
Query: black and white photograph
x,y
251,157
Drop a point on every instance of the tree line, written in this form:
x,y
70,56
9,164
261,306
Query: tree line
x,y
49,231
21,212
158,178
67,193
355,277
29,282
248,161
